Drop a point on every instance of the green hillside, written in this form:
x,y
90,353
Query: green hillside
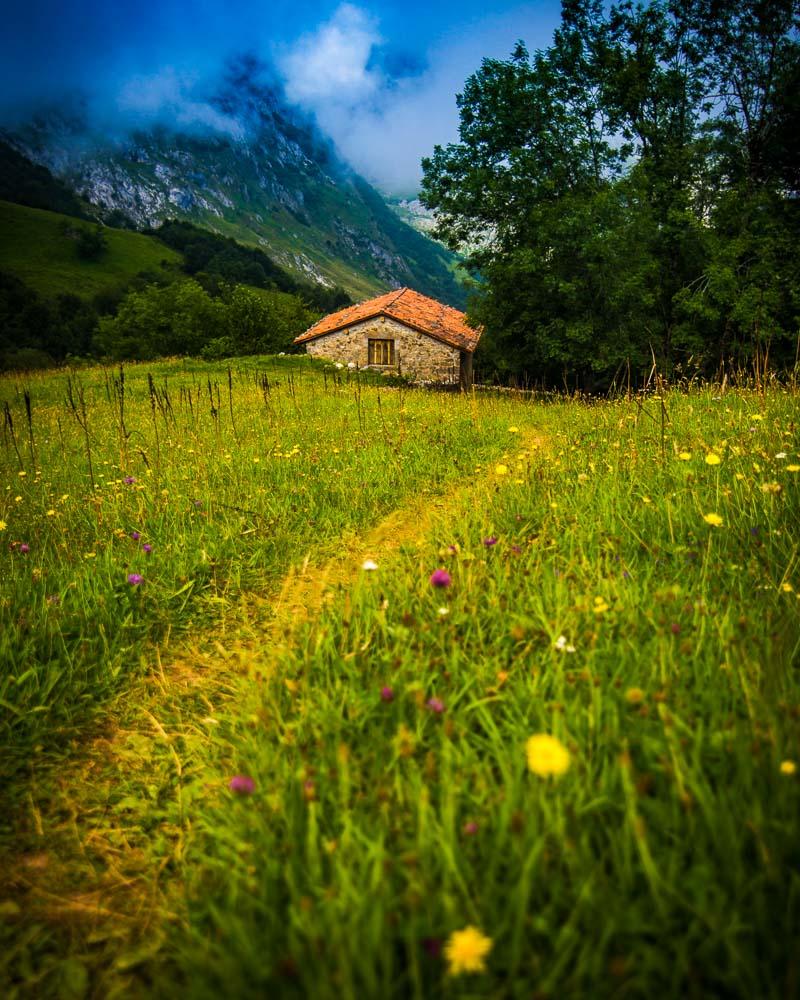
x,y
39,247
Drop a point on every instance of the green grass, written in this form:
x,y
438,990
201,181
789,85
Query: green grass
x,y
590,600
35,249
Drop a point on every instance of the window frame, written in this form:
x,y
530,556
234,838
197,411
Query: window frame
x,y
376,347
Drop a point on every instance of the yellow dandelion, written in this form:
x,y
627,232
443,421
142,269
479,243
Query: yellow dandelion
x,y
634,696
600,606
501,470
787,588
757,416
513,430
712,458
546,755
793,468
51,513
713,519
466,951
3,525
685,456
788,767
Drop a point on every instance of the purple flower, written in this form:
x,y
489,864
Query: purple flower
x,y
24,548
470,828
489,542
387,694
134,579
441,578
147,548
516,549
242,784
129,480
435,705
135,536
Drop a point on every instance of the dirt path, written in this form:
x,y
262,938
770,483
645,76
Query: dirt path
x,y
100,874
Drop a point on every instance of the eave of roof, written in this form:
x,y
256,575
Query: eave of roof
x,y
447,325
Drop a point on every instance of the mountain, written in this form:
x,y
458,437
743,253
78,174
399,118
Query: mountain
x,y
262,175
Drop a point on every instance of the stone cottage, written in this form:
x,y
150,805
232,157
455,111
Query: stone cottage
x,y
402,332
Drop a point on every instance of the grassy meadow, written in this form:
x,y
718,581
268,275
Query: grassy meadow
x,y
313,686
36,249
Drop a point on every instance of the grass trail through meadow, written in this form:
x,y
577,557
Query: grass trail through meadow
x,y
626,592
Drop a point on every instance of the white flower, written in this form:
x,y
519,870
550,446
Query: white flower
x,y
781,454
369,565
351,364
443,612
339,364
563,646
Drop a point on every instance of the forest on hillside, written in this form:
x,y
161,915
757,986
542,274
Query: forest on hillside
x,y
630,194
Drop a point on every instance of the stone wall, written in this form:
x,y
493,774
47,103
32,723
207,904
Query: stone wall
x,y
415,354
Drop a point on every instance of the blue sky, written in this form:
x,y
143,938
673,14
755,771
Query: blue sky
x,y
380,78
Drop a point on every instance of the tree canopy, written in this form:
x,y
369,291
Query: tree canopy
x,y
632,190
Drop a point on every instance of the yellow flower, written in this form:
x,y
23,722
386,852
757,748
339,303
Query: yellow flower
x,y
634,696
757,416
600,606
501,470
713,519
466,951
712,458
788,767
513,430
546,755
51,513
685,456
3,525
793,468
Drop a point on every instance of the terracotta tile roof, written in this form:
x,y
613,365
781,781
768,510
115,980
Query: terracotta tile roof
x,y
409,307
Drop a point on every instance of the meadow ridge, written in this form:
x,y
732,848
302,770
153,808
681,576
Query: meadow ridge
x,y
318,687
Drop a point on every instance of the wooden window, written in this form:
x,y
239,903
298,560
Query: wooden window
x,y
381,352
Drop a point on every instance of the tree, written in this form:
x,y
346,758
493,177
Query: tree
x,y
600,186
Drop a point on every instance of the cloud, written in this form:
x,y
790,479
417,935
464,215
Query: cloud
x,y
169,96
386,109
333,65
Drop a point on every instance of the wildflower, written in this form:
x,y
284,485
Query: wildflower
x,y
516,549
441,578
513,430
129,480
3,525
135,536
134,579
712,458
771,488
368,565
793,468
470,828
24,548
242,784
435,705
443,611
600,606
685,456
788,767
147,548
387,694
563,646
501,470
51,513
781,454
634,696
546,755
713,519
466,951
489,542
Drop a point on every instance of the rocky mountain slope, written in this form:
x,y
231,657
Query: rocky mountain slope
x,y
269,179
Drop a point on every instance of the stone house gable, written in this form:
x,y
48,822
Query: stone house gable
x,y
402,332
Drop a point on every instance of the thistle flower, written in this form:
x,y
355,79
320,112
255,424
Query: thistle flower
x,y
147,548
435,705
129,480
134,579
242,784
489,542
441,578
387,694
